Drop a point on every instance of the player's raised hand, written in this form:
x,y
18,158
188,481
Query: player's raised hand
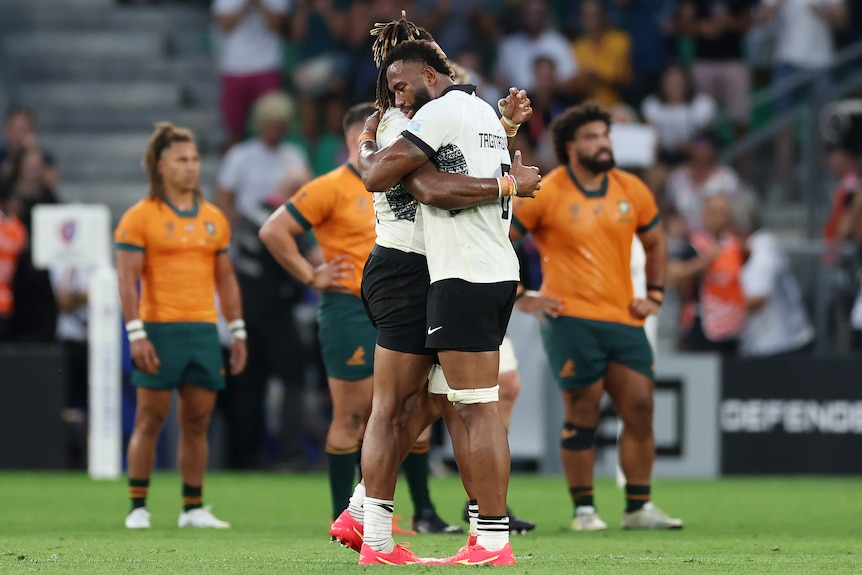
x,y
539,305
528,177
329,274
641,308
516,106
371,123
238,356
144,355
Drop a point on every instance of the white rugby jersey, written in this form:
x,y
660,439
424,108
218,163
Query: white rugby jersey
x,y
399,223
461,134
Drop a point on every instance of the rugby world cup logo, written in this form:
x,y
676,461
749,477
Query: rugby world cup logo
x,y
67,231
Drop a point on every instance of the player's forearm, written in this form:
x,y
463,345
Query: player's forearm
x,y
380,169
229,296
129,300
282,246
376,174
656,262
451,191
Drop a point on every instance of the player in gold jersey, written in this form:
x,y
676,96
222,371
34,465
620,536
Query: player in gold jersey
x,y
175,243
583,223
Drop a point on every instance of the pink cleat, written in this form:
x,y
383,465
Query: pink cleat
x,y
478,555
399,556
347,531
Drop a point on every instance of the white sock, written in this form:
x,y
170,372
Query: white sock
x,y
473,516
493,532
378,524
354,506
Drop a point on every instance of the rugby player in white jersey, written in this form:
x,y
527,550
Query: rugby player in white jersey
x,y
472,268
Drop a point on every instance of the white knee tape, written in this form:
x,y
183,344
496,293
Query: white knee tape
x,y
508,360
437,383
471,396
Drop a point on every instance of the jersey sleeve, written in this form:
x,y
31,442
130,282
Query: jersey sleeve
x,y
646,209
129,234
224,233
313,204
433,126
527,215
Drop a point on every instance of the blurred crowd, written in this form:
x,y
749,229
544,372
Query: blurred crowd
x,y
678,73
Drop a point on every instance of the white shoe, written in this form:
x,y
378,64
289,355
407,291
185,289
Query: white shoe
x,y
201,517
138,519
650,517
586,519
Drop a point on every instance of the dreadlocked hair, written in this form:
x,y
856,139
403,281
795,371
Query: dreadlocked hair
x,y
409,51
387,35
164,134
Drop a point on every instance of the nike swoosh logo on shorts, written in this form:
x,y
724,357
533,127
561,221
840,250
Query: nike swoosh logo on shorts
x,y
432,330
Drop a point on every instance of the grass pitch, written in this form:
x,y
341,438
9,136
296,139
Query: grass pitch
x,y
66,523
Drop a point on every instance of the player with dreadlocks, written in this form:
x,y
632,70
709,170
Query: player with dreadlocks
x,y
397,273
387,36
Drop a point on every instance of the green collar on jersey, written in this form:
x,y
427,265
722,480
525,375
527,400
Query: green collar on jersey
x,y
192,213
353,169
600,193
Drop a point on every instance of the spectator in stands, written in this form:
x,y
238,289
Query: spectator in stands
x,y
804,42
700,177
843,160
27,180
604,57
533,139
257,176
20,136
649,24
13,239
518,51
71,287
719,69
777,322
677,112
459,25
250,56
320,31
707,272
253,170
35,313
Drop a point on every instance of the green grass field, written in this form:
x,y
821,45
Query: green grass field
x,y
66,523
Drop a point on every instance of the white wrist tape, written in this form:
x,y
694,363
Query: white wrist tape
x,y
134,325
136,334
240,334
236,324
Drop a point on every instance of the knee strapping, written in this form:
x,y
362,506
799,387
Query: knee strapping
x,y
471,396
576,438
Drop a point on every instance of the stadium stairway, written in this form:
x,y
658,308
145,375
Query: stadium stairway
x,y
99,75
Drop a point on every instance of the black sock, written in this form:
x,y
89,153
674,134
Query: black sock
x,y
636,497
138,492
582,496
192,497
415,468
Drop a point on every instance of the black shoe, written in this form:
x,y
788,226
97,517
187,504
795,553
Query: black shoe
x,y
516,525
521,526
430,522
